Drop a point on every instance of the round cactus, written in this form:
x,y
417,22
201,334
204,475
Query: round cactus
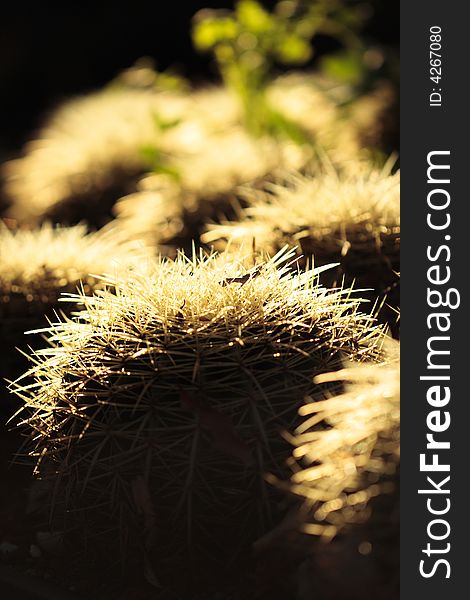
x,y
171,213
352,218
158,409
84,157
38,265
93,149
347,452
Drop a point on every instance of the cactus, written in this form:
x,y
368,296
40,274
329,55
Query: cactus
x,y
95,148
37,266
171,213
90,152
158,409
89,144
347,454
41,263
351,218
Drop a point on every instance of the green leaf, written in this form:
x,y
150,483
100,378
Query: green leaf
x,y
165,169
281,126
211,31
171,82
150,154
292,49
165,124
252,16
346,66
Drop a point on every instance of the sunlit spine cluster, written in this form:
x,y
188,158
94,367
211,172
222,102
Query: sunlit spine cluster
x,y
38,266
345,466
347,448
349,217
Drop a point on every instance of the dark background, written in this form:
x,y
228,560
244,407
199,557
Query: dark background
x,y
51,52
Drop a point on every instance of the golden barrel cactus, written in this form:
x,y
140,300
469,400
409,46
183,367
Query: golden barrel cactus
x,y
158,410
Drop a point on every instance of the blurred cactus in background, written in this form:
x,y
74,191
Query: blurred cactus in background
x,y
95,149
38,265
171,212
88,154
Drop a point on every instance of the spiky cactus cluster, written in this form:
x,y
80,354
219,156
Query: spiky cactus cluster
x,y
158,410
172,213
327,215
351,218
93,149
38,265
343,462
347,453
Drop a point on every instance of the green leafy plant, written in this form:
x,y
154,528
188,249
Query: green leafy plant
x,y
250,41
